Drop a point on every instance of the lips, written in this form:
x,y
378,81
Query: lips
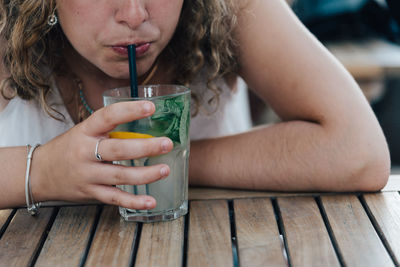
x,y
141,49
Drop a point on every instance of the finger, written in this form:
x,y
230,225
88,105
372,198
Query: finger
x,y
107,118
112,149
115,196
109,174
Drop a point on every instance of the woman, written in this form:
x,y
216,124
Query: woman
x,y
329,139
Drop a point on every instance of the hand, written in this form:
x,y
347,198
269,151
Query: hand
x,y
67,168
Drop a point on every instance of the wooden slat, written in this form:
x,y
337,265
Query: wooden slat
x,y
199,193
161,244
385,209
112,243
257,233
68,237
356,237
209,234
22,237
308,239
4,215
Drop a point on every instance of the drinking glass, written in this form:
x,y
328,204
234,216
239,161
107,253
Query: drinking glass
x,y
171,119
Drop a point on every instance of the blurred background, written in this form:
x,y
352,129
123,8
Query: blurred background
x,y
365,36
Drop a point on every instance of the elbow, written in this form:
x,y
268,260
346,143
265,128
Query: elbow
x,y
364,156
374,177
372,171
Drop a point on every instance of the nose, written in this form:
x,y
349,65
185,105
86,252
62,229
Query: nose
x,y
131,12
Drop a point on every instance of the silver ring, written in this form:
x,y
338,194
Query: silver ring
x,y
96,150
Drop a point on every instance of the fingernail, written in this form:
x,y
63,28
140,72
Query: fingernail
x,y
149,203
164,171
165,145
147,107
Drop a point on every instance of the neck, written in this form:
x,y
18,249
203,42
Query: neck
x,y
93,81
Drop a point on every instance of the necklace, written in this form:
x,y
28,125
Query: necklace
x,y
82,96
83,99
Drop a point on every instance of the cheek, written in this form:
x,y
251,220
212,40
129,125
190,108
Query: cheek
x,y
81,40
80,33
80,20
166,15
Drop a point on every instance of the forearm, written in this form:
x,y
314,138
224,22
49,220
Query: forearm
x,y
12,176
290,156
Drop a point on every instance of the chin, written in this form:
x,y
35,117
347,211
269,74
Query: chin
x,y
117,74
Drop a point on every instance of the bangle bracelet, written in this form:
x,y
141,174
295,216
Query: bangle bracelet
x,y
33,208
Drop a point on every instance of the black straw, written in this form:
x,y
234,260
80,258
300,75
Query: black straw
x,y
132,70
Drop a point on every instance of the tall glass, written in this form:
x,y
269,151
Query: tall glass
x,y
171,119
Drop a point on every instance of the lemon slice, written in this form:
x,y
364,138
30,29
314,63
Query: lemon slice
x,y
128,135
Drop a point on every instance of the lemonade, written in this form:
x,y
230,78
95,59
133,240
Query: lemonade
x,y
169,192
171,119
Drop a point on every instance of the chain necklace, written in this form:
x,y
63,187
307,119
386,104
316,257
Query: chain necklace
x,y
86,105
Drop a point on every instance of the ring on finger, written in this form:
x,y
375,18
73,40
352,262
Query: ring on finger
x,y
96,150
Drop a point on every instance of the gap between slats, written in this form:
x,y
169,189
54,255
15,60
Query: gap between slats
x,y
378,230
135,243
7,222
232,223
330,231
281,229
93,229
44,236
186,237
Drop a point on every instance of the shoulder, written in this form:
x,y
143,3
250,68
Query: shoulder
x,y
274,47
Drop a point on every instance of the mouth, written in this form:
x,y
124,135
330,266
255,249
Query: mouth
x,y
122,49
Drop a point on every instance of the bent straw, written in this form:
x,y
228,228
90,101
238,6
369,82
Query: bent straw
x,y
132,70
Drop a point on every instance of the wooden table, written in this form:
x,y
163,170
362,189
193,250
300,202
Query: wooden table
x,y
223,228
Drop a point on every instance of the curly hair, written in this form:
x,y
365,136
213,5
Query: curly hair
x,y
207,26
33,48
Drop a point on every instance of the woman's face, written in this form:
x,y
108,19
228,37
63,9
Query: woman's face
x,y
100,30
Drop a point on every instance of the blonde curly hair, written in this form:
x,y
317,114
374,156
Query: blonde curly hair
x,y
32,49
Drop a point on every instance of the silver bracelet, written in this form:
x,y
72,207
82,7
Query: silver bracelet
x,y
33,208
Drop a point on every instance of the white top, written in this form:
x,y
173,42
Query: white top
x,y
24,122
